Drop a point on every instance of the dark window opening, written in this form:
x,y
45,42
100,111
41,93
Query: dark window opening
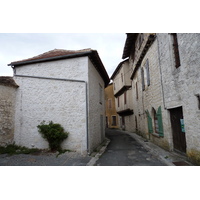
x,y
176,50
142,75
114,121
136,86
125,97
198,99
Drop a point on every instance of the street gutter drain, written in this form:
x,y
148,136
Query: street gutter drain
x,y
180,163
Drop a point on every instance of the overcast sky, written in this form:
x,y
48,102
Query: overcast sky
x,y
17,46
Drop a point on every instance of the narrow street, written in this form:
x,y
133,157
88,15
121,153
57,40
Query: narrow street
x,y
123,150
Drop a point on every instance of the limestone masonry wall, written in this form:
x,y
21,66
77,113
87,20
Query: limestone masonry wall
x,y
7,109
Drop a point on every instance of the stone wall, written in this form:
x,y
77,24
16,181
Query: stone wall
x,y
151,97
182,85
7,108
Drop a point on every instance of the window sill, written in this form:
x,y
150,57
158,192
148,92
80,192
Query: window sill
x,y
156,135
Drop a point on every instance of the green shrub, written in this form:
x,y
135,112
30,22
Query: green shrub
x,y
53,133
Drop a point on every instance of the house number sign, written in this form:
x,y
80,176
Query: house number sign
x,y
182,125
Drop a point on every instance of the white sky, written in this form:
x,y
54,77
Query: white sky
x,y
17,46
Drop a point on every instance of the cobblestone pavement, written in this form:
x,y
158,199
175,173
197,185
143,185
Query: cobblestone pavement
x,y
123,150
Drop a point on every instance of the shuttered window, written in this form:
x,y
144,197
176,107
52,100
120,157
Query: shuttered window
x,y
160,124
147,72
149,121
142,76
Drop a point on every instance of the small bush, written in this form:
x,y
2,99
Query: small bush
x,y
53,133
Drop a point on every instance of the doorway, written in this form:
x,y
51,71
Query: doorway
x,y
178,131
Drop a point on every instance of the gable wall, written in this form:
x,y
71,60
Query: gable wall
x,y
62,102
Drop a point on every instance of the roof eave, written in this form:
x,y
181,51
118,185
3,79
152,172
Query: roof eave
x,y
50,58
131,37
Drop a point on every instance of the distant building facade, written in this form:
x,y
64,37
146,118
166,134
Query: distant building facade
x,y
111,114
123,96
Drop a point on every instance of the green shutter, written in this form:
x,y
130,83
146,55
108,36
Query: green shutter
x,y
149,120
160,124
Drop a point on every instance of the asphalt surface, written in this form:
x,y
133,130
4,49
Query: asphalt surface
x,y
124,150
45,159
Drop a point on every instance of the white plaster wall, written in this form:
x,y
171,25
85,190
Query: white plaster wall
x,y
73,68
7,108
60,101
96,109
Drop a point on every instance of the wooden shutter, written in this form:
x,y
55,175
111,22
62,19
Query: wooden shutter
x,y
160,124
149,120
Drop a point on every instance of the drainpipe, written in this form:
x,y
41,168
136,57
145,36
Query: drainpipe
x,y
163,95
69,80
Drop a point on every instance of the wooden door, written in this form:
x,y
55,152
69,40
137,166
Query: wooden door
x,y
176,116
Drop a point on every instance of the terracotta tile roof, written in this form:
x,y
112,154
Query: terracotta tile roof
x,y
64,54
53,53
7,81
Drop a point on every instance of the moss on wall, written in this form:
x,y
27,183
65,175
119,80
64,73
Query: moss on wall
x,y
194,156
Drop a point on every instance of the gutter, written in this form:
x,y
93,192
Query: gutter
x,y
69,80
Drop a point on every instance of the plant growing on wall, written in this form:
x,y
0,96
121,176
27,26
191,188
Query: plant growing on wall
x,y
53,133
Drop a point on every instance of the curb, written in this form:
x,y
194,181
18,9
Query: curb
x,y
164,156
93,160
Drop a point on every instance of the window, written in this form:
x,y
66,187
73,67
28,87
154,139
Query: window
x,y
122,77
147,72
114,121
136,88
175,50
149,121
125,97
198,100
156,127
142,75
100,94
109,103
118,101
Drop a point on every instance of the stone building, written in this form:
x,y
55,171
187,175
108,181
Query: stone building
x,y
111,114
66,87
8,89
165,85
123,95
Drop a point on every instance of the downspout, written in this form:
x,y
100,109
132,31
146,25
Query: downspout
x,y
163,95
70,80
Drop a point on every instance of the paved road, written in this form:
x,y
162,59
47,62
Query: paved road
x,y
46,159
124,150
